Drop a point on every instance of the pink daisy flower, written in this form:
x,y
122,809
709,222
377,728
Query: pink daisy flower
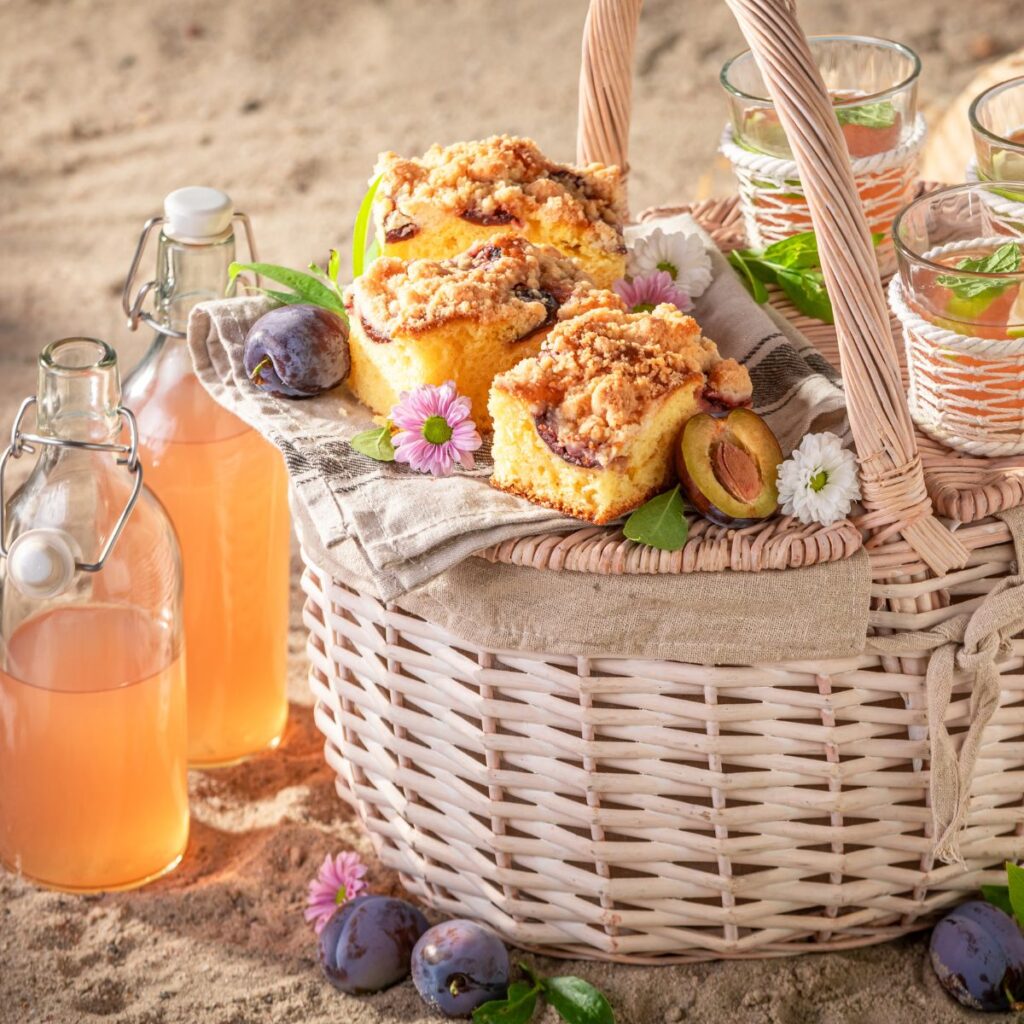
x,y
339,879
434,429
642,294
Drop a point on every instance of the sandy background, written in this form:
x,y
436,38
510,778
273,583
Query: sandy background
x,y
109,105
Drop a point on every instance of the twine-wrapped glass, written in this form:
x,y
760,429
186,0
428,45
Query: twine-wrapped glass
x,y
960,299
873,84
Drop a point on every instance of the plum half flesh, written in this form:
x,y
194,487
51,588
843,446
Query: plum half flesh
x,y
729,465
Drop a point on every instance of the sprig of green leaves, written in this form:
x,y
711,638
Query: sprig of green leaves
x,y
1009,897
320,290
793,264
1004,260
660,522
575,1000
869,115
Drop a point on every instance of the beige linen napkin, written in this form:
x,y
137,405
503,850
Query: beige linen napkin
x,y
409,527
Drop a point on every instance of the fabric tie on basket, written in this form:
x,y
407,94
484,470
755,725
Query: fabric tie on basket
x,y
974,643
409,527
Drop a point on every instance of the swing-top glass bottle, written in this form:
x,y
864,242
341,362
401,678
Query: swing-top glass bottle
x,y
224,486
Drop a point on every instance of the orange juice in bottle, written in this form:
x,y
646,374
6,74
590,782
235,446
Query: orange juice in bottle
x,y
225,488
93,744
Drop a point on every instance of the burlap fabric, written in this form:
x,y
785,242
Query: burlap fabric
x,y
409,527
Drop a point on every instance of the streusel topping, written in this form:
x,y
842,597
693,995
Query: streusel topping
x,y
500,180
597,375
504,279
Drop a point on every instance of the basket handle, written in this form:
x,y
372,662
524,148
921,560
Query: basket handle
x,y
891,474
606,82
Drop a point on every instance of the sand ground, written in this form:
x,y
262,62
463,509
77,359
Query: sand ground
x,y
109,104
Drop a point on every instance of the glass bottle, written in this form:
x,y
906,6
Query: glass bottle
x,y
226,490
93,742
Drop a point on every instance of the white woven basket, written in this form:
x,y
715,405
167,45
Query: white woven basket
x,y
647,810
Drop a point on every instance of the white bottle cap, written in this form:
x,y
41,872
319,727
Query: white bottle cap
x,y
41,563
197,214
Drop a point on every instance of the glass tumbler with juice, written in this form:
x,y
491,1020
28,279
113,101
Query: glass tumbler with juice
x,y
873,85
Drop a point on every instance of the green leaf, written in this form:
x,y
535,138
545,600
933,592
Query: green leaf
x,y
1015,878
375,443
307,287
877,238
754,284
800,250
806,290
1005,260
869,115
577,1001
362,227
284,298
334,265
516,1008
660,522
998,896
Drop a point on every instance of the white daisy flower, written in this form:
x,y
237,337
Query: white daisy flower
x,y
682,255
818,482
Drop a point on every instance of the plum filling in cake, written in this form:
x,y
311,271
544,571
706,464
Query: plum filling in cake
x,y
372,333
551,308
488,219
575,454
401,232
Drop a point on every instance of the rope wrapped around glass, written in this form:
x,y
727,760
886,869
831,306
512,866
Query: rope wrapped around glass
x,y
93,790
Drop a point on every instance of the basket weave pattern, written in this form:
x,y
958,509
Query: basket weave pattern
x,y
650,810
647,810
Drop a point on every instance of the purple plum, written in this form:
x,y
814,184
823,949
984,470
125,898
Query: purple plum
x,y
367,943
978,953
458,965
297,351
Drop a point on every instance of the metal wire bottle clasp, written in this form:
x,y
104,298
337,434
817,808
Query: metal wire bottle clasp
x,y
128,456
133,308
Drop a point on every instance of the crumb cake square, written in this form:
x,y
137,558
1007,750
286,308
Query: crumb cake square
x,y
463,319
437,205
588,426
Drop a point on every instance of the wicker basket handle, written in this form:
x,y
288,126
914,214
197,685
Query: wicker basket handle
x,y
892,478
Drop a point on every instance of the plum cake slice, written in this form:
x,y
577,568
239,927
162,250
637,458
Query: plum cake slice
x,y
463,319
589,425
437,205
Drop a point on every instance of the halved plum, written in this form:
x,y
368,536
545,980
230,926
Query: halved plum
x,y
729,465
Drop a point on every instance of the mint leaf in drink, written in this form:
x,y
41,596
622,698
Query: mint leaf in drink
x,y
1004,260
375,443
306,287
577,1001
360,239
753,284
868,115
516,1008
660,522
998,896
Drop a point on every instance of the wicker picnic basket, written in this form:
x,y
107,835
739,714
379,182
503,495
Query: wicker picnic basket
x,y
644,810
